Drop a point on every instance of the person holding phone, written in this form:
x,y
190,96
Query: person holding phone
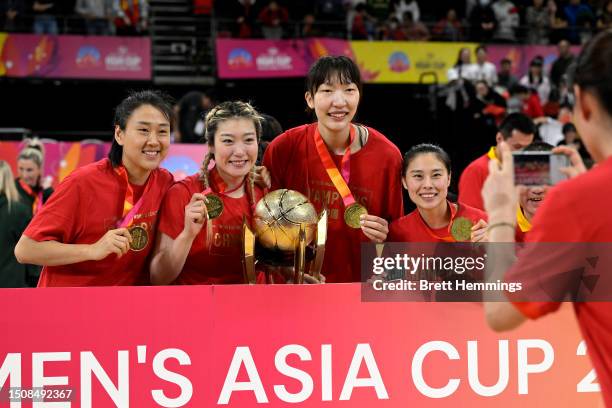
x,y
574,212
517,131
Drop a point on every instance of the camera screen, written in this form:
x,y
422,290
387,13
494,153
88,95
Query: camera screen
x,y
532,169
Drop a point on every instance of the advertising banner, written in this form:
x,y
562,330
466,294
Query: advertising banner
x,y
304,345
72,56
61,158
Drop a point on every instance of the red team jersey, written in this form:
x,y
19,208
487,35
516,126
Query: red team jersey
x,y
221,261
471,181
577,210
412,227
375,182
87,204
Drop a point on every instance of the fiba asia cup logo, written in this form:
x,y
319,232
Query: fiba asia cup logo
x,y
399,62
88,56
239,58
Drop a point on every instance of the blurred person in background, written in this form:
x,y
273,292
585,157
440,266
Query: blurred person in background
x,y
483,23
98,15
14,217
508,20
132,16
505,78
272,18
34,189
190,115
483,70
604,16
11,15
538,18
45,16
449,28
537,80
562,63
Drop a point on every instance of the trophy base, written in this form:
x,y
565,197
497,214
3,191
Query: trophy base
x,y
276,257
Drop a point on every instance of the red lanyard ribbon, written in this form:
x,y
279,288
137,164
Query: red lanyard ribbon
x,y
338,179
129,208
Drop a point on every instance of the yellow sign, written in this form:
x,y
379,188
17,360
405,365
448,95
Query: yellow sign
x,y
3,37
393,62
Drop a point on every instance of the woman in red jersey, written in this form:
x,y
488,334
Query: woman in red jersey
x,y
352,171
33,190
204,246
426,176
97,229
571,227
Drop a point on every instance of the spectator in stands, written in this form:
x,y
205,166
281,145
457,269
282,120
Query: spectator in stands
x,y
461,69
272,18
563,61
97,15
551,129
525,101
400,7
363,24
414,30
329,10
537,80
459,88
310,27
243,12
190,114
505,78
132,16
449,28
379,9
489,102
14,217
393,31
508,20
33,188
270,128
11,14
577,14
483,69
45,17
538,18
558,23
604,16
572,138
517,131
483,22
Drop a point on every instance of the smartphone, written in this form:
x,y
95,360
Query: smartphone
x,y
538,168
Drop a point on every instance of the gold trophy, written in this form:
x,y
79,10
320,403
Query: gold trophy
x,y
288,236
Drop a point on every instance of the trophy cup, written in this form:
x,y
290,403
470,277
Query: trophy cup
x,y
288,236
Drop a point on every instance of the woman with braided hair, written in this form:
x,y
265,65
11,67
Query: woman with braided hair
x,y
205,246
33,191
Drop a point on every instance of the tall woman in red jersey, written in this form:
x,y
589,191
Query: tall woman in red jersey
x,y
204,246
351,170
98,227
426,176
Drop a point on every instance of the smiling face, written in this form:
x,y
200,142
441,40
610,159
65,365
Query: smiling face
x,y
335,105
145,140
28,171
235,148
530,199
427,181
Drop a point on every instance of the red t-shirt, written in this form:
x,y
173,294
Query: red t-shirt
x,y
220,262
471,181
412,227
84,207
575,211
375,182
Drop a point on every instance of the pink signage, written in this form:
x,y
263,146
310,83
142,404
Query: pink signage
x,y
273,59
280,345
70,56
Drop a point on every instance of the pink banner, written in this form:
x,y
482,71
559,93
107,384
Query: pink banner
x,y
70,56
311,346
273,59
521,56
61,158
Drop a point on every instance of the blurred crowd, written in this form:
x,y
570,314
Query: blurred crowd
x,y
499,21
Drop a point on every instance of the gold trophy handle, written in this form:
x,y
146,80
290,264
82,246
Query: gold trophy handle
x,y
300,257
248,254
317,263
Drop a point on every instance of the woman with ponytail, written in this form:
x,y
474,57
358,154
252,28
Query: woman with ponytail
x,y
204,247
33,191
14,217
99,226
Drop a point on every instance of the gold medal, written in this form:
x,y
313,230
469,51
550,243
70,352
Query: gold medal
x,y
461,229
214,206
353,213
140,237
